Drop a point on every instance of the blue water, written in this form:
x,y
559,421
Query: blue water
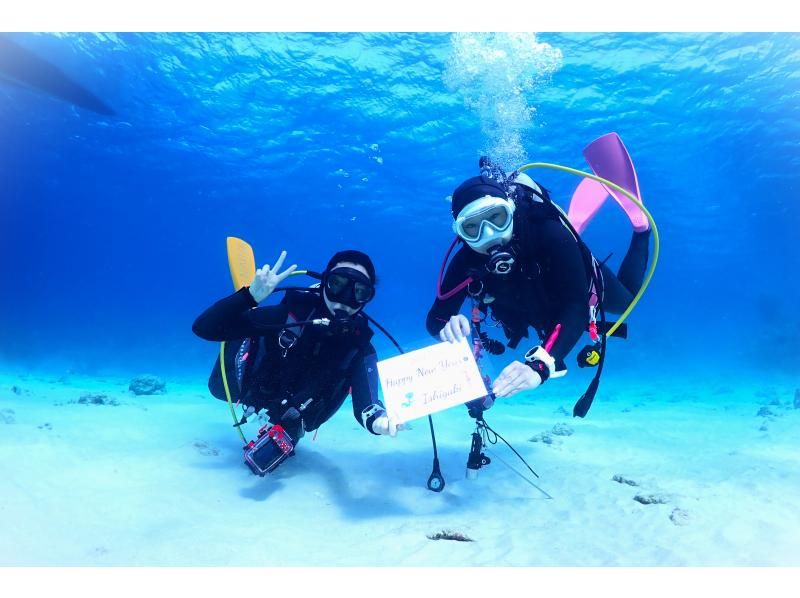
x,y
112,228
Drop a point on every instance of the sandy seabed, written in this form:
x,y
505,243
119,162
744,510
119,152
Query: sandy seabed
x,y
656,475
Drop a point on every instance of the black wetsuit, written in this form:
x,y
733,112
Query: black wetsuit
x,y
321,366
549,284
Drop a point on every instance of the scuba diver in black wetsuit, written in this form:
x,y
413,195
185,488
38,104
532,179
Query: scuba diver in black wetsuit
x,y
299,359
524,265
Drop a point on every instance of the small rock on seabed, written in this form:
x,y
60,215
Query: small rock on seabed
x,y
545,438
450,535
651,499
623,480
562,430
147,385
89,398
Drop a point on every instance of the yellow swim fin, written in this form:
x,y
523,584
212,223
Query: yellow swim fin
x,y
242,262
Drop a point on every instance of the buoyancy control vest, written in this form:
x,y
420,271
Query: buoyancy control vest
x,y
287,367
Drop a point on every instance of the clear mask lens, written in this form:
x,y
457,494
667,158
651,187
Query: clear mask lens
x,y
496,218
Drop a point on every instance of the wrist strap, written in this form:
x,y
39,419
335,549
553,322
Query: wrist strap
x,y
541,362
369,415
540,367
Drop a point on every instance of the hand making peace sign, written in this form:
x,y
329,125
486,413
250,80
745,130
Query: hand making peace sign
x,y
267,278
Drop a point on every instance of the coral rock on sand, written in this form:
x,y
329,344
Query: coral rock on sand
x,y
450,535
147,385
623,480
545,437
89,398
651,499
562,430
7,416
764,412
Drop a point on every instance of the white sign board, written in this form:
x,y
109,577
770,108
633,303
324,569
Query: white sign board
x,y
428,380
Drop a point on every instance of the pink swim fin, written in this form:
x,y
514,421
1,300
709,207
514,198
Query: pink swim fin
x,y
585,203
610,160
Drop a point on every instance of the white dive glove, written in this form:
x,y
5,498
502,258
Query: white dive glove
x,y
457,327
377,421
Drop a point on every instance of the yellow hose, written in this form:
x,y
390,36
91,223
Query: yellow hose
x,y
630,196
227,390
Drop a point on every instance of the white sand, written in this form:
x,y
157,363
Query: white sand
x,y
158,480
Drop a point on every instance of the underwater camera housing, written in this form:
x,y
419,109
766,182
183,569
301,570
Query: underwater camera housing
x,y
271,448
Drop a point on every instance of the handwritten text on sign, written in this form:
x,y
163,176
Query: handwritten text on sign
x,y
428,380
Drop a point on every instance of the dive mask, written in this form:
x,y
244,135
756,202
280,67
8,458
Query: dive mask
x,y
348,287
485,222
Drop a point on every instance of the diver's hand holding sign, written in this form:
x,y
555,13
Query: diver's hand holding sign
x,y
267,279
457,327
387,426
514,378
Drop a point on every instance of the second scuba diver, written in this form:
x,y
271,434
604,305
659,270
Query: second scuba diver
x,y
299,359
524,265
